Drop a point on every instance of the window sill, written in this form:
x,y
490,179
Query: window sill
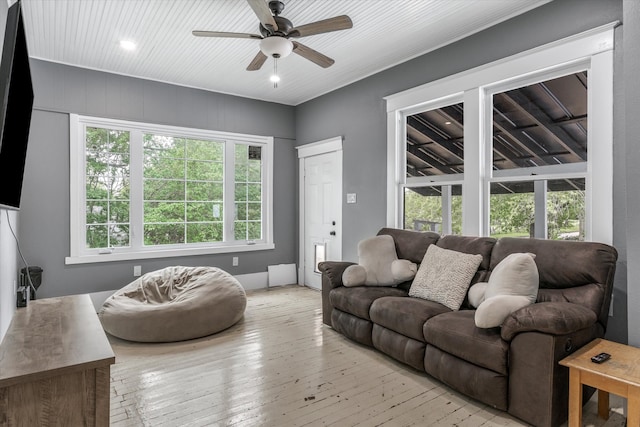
x,y
168,253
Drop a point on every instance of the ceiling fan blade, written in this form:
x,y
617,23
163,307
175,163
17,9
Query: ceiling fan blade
x,y
342,22
263,13
257,61
312,55
198,33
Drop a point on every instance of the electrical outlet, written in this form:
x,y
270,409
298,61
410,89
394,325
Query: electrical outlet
x,y
137,270
234,261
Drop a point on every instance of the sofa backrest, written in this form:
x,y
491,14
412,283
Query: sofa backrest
x,y
411,245
577,272
471,245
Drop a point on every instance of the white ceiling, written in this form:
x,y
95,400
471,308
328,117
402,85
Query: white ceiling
x,y
86,33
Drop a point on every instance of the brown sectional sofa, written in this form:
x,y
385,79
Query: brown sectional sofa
x,y
514,367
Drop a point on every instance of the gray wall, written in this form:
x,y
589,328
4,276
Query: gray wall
x,y
630,112
358,113
44,215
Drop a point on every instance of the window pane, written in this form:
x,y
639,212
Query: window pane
x,y
107,180
435,144
119,212
163,234
97,236
97,211
254,230
164,211
240,230
203,211
119,235
204,191
248,192
205,150
566,209
198,170
204,232
423,208
183,186
512,209
541,124
162,189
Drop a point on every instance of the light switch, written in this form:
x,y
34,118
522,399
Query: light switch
x,y
137,270
351,197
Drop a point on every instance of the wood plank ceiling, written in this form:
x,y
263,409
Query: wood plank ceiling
x,y
86,33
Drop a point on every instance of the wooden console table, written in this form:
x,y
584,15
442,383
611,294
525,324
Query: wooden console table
x,y
55,365
619,375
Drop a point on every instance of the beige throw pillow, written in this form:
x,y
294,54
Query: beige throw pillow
x,y
513,284
378,264
444,276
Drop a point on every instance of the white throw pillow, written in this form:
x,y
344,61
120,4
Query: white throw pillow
x,y
444,276
513,284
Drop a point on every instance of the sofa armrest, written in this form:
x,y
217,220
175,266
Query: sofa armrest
x,y
331,278
333,271
555,318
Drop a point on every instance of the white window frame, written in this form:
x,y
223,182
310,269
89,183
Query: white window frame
x,y
79,254
591,50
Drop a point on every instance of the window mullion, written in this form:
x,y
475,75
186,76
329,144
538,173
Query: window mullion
x,y
474,207
136,207
229,190
540,209
447,223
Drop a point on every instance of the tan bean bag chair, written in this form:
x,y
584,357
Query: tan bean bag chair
x,y
174,304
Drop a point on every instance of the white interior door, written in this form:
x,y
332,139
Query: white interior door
x,y
322,213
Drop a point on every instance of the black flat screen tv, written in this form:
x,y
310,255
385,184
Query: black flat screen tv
x,y
16,104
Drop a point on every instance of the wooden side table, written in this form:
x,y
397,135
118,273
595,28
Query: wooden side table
x,y
619,375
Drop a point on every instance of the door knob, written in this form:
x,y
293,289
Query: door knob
x,y
333,233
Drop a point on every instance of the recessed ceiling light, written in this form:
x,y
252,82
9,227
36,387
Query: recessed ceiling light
x,y
127,45
447,122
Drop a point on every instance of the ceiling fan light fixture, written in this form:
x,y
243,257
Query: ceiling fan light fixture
x,y
276,45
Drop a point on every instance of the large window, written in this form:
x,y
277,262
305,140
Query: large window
x,y
143,191
533,158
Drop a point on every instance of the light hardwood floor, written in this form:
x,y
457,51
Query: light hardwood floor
x,y
281,367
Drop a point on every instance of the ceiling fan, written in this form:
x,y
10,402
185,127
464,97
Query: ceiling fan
x,y
275,32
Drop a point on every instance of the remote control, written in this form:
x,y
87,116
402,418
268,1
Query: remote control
x,y
599,358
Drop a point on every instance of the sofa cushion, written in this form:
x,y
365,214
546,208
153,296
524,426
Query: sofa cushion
x,y
352,327
405,315
398,346
456,333
358,300
483,384
444,276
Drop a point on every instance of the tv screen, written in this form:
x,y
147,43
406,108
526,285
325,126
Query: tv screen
x,y
16,103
